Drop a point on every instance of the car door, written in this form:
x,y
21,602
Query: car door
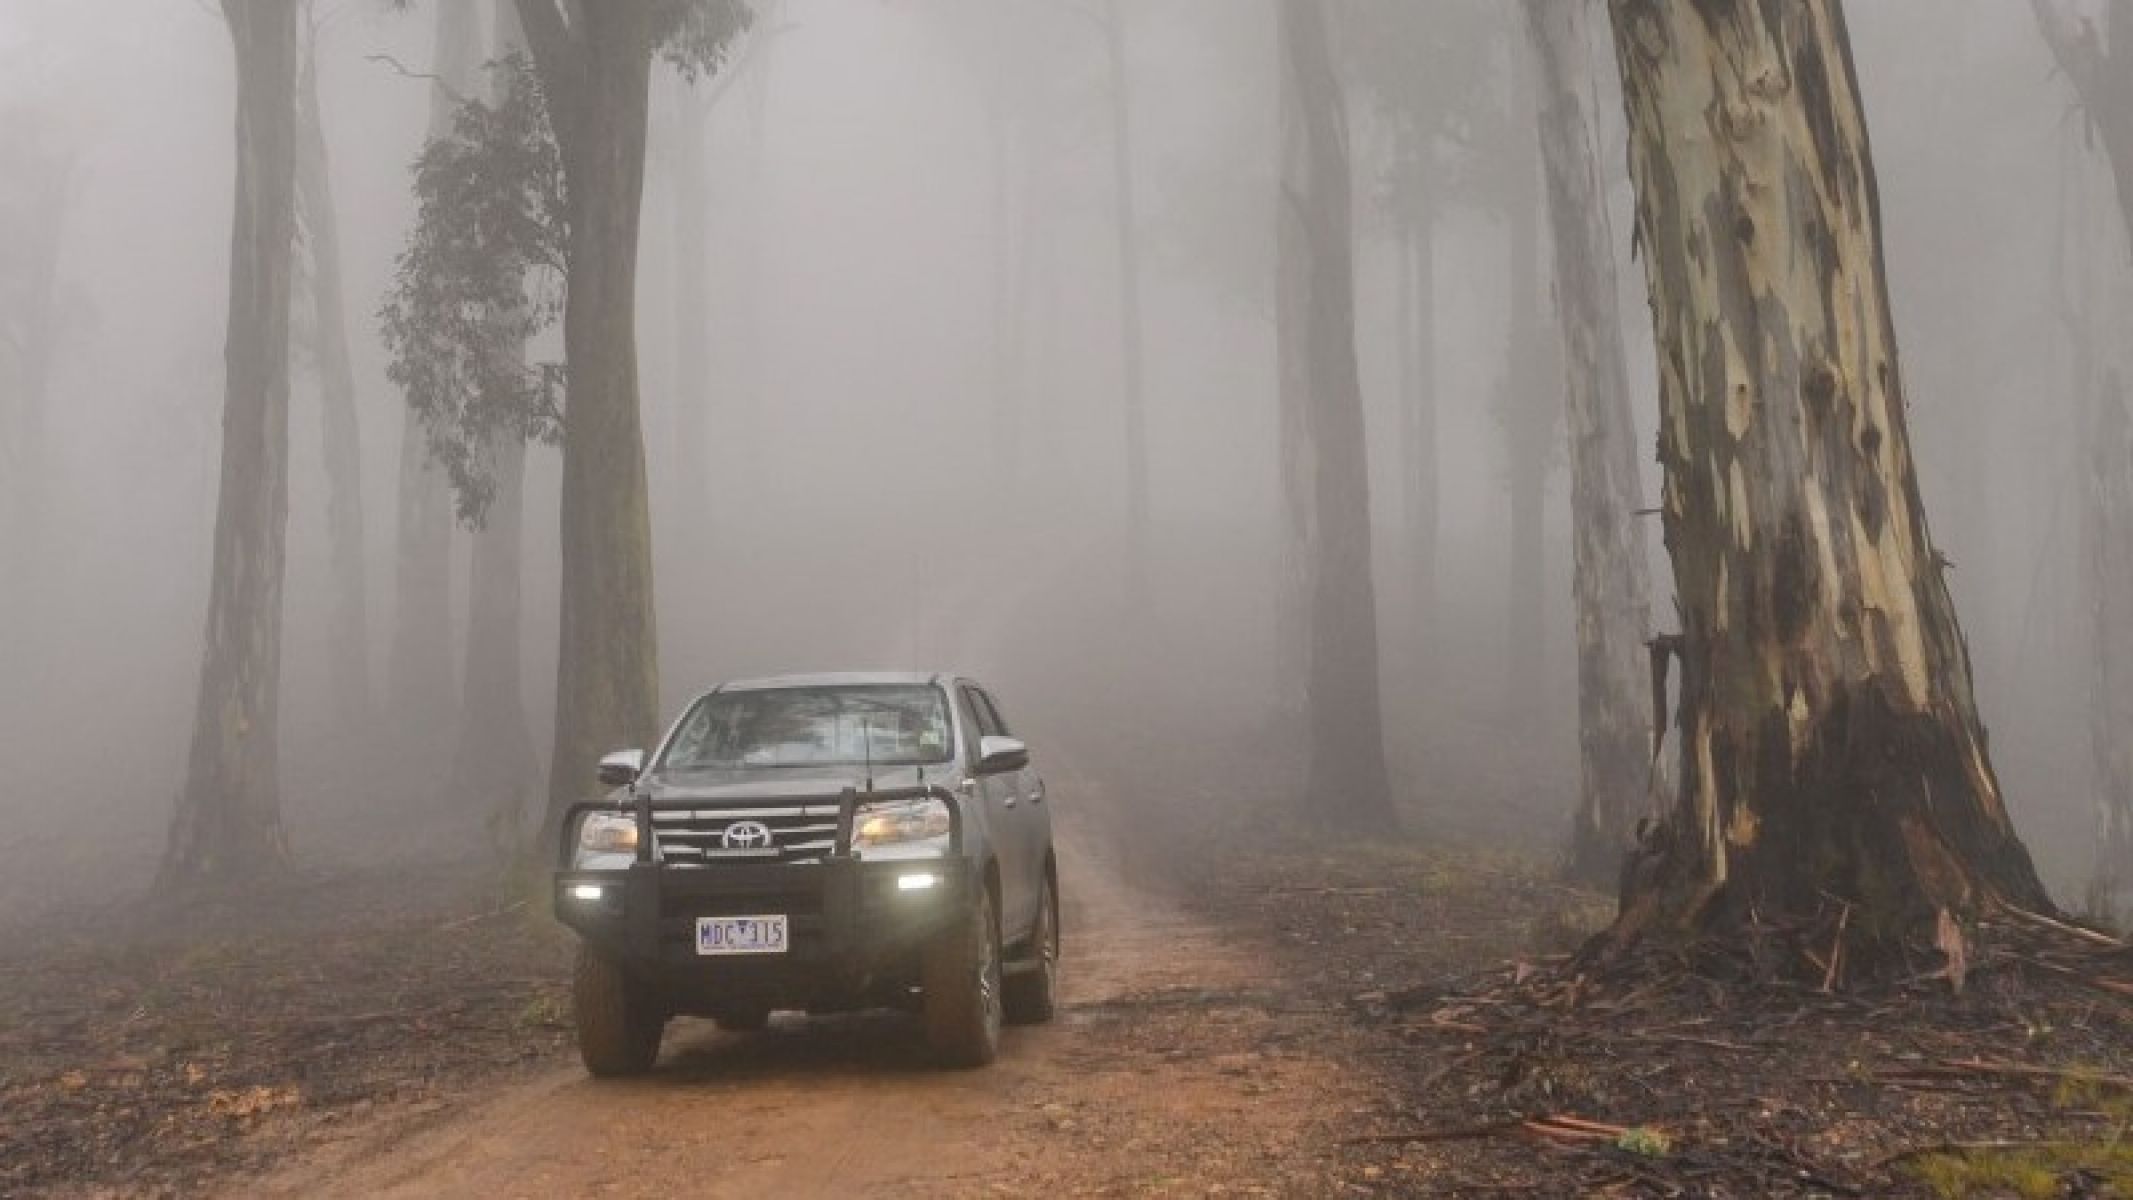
x,y
1001,794
1035,815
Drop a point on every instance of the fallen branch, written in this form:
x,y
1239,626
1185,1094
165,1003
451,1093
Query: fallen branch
x,y
2043,922
1836,951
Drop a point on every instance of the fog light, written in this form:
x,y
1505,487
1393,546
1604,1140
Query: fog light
x,y
915,883
585,891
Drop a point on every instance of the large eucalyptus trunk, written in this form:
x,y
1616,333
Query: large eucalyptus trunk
x,y
1613,608
1325,477
228,822
1126,220
1832,756
421,677
597,75
341,433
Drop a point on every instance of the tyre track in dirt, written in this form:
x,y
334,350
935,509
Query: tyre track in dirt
x,y
1179,1065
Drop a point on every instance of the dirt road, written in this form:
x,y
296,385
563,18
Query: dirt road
x,y
1178,1065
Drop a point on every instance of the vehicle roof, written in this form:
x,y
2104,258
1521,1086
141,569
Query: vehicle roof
x,y
836,679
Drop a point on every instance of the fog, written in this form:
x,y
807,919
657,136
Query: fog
x,y
913,383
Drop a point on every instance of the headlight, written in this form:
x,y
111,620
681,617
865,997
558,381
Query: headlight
x,y
896,824
608,833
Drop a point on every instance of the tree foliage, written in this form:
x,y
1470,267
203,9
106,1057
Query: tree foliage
x,y
481,276
485,269
696,37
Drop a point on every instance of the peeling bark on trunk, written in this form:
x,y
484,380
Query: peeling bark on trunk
x,y
228,822
1324,465
1126,218
597,73
421,678
1613,606
1831,746
340,428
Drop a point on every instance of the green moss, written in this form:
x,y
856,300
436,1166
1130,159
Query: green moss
x,y
1645,1142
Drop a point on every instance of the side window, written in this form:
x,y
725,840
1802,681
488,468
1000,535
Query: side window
x,y
999,719
987,721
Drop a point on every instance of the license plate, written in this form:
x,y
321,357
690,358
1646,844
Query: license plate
x,y
740,935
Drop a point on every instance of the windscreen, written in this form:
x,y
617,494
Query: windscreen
x,y
884,724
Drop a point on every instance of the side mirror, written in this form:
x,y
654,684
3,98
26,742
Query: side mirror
x,y
999,755
621,768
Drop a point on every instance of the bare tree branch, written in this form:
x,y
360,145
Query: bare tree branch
x,y
403,69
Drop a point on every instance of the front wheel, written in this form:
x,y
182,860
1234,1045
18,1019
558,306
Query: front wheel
x,y
1032,992
619,1023
961,977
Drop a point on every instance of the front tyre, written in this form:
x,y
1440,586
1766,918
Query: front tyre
x,y
619,1022
960,973
1031,992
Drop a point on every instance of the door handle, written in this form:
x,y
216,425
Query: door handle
x,y
1036,792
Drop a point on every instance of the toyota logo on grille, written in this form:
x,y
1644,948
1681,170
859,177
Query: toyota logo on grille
x,y
747,835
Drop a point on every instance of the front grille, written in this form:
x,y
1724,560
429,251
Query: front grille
x,y
799,833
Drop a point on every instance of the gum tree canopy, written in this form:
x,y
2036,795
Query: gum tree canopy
x,y
1833,761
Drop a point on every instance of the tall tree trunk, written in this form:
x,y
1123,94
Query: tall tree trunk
x,y
2108,515
1126,220
1324,465
1015,398
26,345
424,695
495,763
349,630
692,305
1418,413
597,74
228,822
999,402
1831,746
1529,414
1613,608
2105,88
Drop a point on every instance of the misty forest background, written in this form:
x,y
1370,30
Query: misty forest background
x,y
961,339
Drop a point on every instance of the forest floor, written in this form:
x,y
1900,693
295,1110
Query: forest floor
x,y
1275,1013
